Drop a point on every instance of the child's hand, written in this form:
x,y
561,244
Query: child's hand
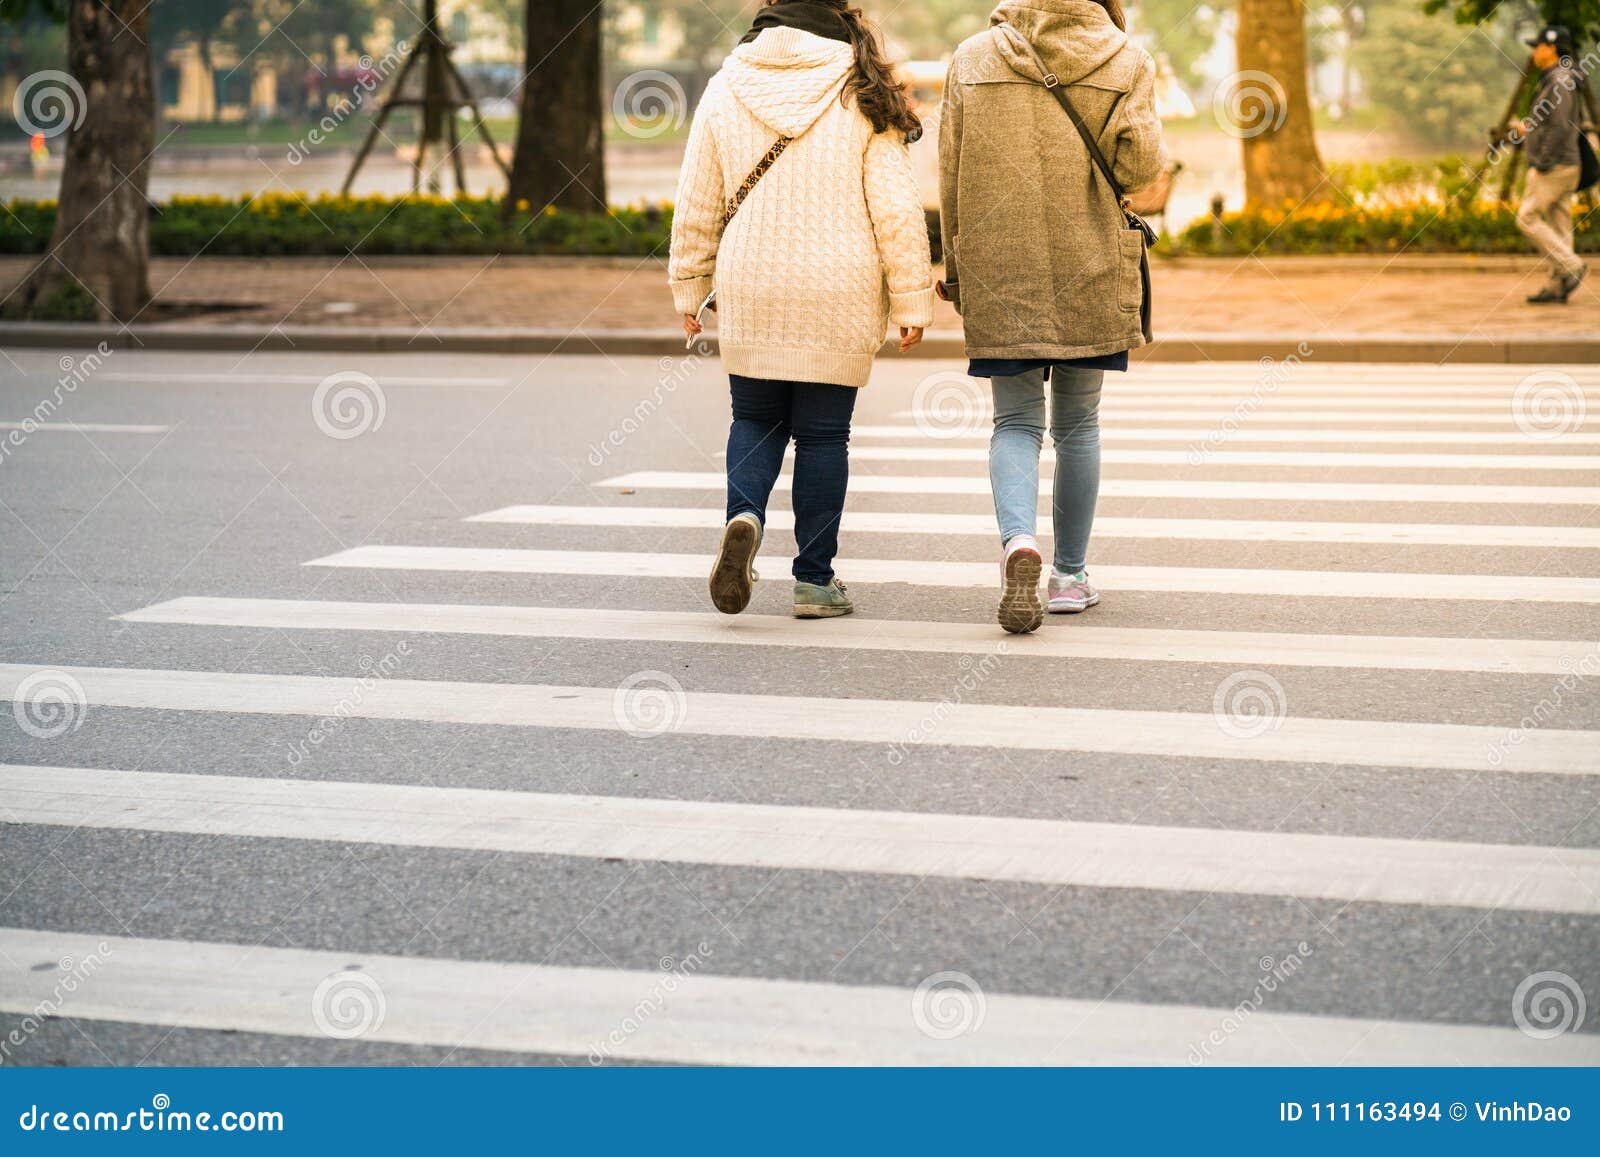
x,y
910,337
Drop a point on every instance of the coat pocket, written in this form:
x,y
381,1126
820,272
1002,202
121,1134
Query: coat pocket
x,y
1130,278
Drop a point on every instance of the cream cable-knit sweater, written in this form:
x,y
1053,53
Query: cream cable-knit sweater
x,y
831,246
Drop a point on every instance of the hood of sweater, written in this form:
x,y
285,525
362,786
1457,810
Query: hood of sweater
x,y
787,77
1073,37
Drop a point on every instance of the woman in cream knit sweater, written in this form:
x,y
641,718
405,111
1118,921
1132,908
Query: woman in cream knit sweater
x,y
825,251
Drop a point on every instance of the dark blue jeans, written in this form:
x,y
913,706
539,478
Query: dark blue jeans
x,y
766,415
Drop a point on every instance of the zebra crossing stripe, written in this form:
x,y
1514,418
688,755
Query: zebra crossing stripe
x,y
973,432
1224,457
1205,419
812,839
1105,526
921,572
708,1019
33,427
899,725
1486,494
1133,644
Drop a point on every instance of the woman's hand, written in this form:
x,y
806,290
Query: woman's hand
x,y
691,327
910,337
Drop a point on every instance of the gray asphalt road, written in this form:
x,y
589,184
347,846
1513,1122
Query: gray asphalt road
x,y
190,476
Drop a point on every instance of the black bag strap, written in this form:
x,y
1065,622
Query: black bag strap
x,y
1053,83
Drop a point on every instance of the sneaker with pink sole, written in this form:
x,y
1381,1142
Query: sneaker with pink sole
x,y
1071,593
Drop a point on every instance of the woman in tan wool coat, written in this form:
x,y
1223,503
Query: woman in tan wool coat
x,y
1041,263
825,251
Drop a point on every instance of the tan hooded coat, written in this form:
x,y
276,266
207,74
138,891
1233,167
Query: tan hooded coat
x,y
1037,254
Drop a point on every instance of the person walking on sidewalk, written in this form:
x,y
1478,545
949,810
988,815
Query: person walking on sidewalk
x,y
1041,263
813,255
1551,131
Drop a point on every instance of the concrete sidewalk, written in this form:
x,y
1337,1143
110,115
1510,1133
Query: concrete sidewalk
x,y
1424,308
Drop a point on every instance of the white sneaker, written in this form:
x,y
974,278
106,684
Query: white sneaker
x,y
1071,593
1021,609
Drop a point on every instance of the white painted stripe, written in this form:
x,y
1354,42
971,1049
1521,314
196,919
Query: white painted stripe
x,y
1206,455
812,839
900,723
1252,491
236,377
1207,418
1189,400
921,572
1236,648
1232,389
82,427
709,1019
1105,526
971,432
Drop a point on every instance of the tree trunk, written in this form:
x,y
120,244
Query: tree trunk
x,y
98,263
1269,106
560,155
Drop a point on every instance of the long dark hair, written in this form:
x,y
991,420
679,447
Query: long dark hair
x,y
1114,10
877,92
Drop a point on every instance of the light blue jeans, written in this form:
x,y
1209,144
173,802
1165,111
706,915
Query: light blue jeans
x,y
1019,422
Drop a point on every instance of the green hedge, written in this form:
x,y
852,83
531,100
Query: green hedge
x,y
1420,227
278,224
